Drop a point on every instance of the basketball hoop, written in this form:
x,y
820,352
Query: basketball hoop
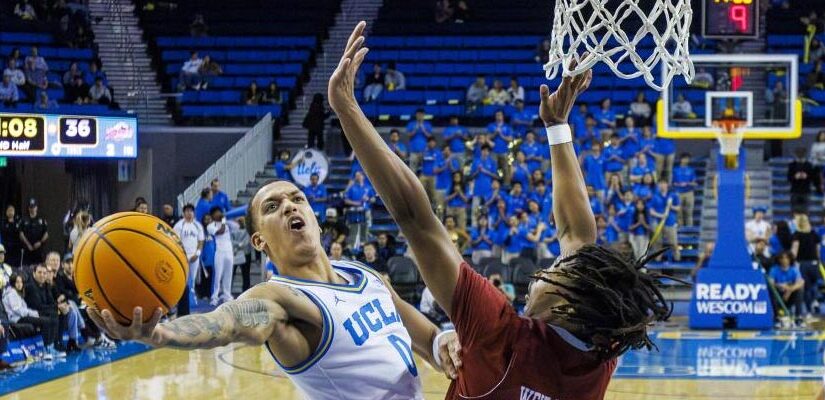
x,y
578,22
730,137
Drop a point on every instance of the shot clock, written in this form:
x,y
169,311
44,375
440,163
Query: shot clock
x,y
52,135
730,19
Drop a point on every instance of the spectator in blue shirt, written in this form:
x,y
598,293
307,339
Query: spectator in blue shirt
x,y
532,151
602,239
641,169
578,121
484,170
449,164
481,240
593,165
501,135
605,117
418,131
647,143
521,171
645,189
665,205
544,198
787,280
400,149
614,162
432,157
613,231
491,199
521,120
640,229
317,196
664,151
630,139
684,184
513,240
550,238
615,191
456,136
596,204
457,203
358,194
204,204
517,200
219,198
625,212
283,167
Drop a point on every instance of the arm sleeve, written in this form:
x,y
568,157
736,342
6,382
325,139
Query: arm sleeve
x,y
481,314
201,236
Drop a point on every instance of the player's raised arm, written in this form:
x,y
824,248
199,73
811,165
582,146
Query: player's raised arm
x,y
398,187
571,206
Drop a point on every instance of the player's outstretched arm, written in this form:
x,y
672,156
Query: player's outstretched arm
x,y
571,206
398,187
249,321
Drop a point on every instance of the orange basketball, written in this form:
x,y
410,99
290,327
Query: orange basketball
x,y
127,260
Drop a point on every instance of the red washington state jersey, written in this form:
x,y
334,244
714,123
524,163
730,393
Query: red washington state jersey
x,y
506,356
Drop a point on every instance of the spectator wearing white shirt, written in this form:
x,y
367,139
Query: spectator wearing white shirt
x,y
682,108
640,109
99,93
191,236
39,62
221,230
8,92
818,149
497,95
242,259
476,94
394,79
757,227
25,11
190,73
515,90
15,74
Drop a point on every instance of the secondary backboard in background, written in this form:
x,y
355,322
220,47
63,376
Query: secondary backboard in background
x,y
734,86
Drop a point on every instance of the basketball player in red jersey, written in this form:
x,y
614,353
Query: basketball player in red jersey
x,y
581,314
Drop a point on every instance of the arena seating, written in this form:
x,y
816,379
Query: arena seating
x,y
58,58
283,55
795,44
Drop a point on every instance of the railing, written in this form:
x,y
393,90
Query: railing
x,y
237,166
125,40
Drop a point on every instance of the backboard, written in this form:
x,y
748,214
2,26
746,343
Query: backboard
x,y
758,88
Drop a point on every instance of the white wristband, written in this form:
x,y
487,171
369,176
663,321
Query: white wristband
x,y
559,134
197,253
436,356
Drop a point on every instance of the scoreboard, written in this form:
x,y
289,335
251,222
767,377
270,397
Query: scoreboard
x,y
730,19
67,136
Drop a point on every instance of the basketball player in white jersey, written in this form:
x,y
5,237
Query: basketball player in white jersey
x,y
337,329
221,230
192,237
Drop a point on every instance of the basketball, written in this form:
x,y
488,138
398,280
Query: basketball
x,y
128,260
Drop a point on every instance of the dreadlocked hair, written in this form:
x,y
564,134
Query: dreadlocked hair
x,y
610,299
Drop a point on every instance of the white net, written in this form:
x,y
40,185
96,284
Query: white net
x,y
586,31
729,143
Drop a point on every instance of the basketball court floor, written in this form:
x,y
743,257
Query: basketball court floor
x,y
688,365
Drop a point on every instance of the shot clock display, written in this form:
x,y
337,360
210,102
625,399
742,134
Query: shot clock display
x,y
51,135
730,19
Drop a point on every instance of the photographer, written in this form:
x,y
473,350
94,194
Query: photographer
x,y
506,289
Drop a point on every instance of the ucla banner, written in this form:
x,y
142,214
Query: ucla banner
x,y
308,162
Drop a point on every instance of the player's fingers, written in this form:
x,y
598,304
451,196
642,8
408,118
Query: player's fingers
x,y
111,325
137,319
94,315
359,58
350,53
455,353
356,32
158,314
544,91
449,369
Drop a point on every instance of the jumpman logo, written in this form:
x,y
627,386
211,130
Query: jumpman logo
x,y
338,300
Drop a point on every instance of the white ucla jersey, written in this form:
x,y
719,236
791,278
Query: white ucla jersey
x,y
365,351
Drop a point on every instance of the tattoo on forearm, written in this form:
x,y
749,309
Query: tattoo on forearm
x,y
237,321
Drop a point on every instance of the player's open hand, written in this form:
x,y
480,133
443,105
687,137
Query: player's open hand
x,y
341,90
138,330
449,351
555,107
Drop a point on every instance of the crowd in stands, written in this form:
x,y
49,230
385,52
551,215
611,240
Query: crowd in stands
x,y
493,187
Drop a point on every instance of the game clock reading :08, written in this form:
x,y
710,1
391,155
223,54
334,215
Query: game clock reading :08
x,y
78,131
22,133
